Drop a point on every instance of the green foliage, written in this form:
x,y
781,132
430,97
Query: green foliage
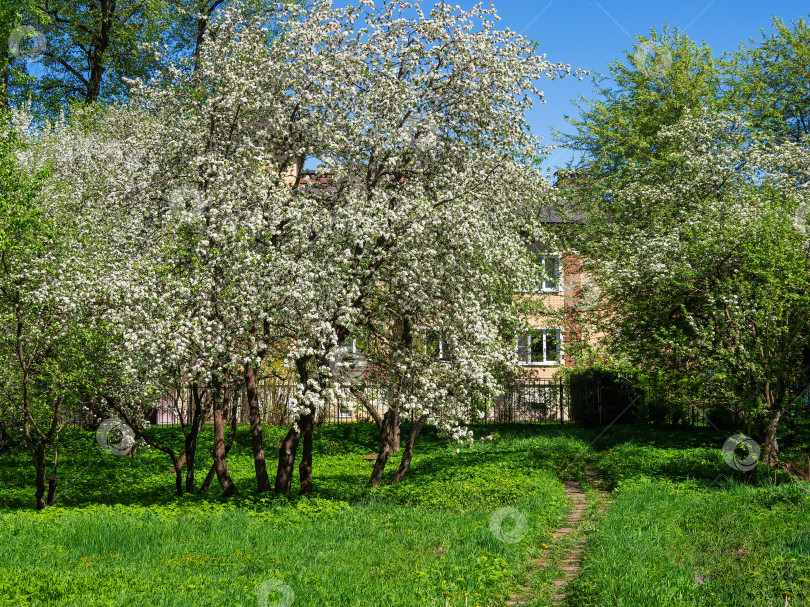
x,y
604,395
767,81
619,122
696,546
92,48
117,534
692,218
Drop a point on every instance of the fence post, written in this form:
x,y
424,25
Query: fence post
x,y
599,400
561,401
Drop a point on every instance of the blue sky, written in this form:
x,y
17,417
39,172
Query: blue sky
x,y
591,35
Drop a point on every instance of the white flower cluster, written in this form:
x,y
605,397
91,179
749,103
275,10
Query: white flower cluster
x,y
201,248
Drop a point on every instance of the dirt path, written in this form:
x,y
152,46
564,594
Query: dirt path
x,y
564,552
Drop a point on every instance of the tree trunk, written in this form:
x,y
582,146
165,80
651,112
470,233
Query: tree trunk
x,y
213,470
305,467
190,449
289,446
190,468
202,25
395,445
286,461
256,437
38,448
769,454
98,55
405,464
223,475
181,461
52,478
389,430
41,466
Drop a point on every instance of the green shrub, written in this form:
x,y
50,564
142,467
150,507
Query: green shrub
x,y
599,396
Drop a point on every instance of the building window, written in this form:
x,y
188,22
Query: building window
x,y
549,268
434,345
540,347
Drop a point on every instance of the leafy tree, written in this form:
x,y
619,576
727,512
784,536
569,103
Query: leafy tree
x,y
688,221
768,83
712,278
660,78
51,348
250,260
663,75
94,47
91,161
215,255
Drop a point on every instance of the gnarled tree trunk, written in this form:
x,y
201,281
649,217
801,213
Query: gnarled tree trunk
x,y
256,437
289,446
213,470
769,454
220,405
405,464
190,449
389,431
286,461
307,425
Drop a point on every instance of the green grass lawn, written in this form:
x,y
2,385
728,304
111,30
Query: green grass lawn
x,y
681,531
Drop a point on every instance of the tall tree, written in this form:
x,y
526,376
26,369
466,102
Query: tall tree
x,y
52,344
768,81
265,261
663,75
92,46
399,213
715,280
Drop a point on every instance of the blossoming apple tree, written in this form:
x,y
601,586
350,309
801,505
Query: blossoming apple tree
x,y
706,261
220,254
418,121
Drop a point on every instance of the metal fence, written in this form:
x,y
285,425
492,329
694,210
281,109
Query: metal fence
x,y
528,401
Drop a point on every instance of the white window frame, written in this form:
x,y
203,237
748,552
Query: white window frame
x,y
438,332
544,363
544,287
